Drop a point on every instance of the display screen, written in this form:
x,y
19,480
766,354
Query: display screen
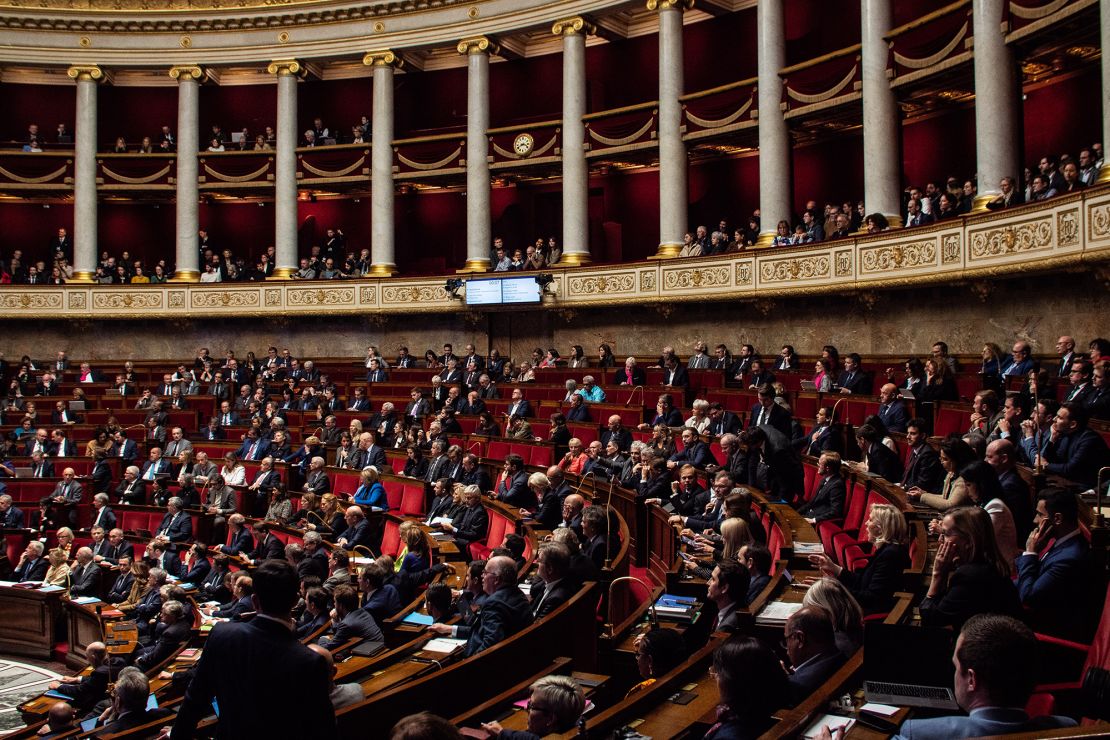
x,y
502,291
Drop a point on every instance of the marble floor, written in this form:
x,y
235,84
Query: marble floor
x,y
18,683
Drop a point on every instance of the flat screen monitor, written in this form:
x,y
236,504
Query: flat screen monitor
x,y
502,291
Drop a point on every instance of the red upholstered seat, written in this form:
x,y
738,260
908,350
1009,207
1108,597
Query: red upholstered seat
x,y
391,539
412,500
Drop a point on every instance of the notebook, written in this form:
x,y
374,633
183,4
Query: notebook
x,y
908,666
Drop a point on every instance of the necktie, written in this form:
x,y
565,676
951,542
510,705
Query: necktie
x,y
250,453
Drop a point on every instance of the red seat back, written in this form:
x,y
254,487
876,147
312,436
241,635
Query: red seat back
x,y
391,539
412,500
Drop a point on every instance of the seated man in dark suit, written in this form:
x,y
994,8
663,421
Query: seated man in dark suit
x,y
504,613
472,523
722,422
85,691
881,460
266,545
32,565
828,499
595,539
121,588
1053,579
728,589
176,525
994,679
282,672
129,703
694,452
85,575
351,621
513,489
11,517
553,587
358,532
811,646
172,630
381,600
892,410
1074,451
854,380
923,469
241,602
757,559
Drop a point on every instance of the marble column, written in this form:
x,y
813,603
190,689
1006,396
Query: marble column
x,y
576,175
479,231
84,173
285,170
775,169
673,197
1104,23
997,102
382,247
187,257
882,164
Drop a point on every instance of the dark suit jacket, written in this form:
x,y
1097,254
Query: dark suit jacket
x,y
121,588
779,418
883,461
756,586
894,415
283,673
1050,586
471,524
85,580
177,529
546,600
12,519
785,477
235,608
32,571
502,615
679,378
805,679
578,414
1077,456
361,535
241,542
383,603
515,491
728,423
200,570
697,454
828,501
135,719
975,588
168,640
520,408
89,690
923,470
858,382
639,377
874,586
268,549
259,453
358,623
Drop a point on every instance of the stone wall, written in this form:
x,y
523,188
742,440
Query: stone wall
x,y
904,322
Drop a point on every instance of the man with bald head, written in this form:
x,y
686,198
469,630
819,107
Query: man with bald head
x,y
1065,347
358,532
68,493
60,720
85,691
85,576
616,431
503,614
1017,493
892,410
572,513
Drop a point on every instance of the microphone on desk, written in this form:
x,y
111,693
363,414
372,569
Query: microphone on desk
x,y
633,393
653,617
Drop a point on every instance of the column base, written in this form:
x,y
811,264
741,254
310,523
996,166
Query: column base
x,y
765,240
185,276
382,269
574,259
282,273
666,251
980,201
470,266
1103,175
82,276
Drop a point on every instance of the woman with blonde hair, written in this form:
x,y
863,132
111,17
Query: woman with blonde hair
x,y
370,491
874,585
847,616
65,542
414,556
970,573
233,472
330,520
58,572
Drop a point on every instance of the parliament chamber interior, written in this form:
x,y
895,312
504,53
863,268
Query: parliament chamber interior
x,y
532,368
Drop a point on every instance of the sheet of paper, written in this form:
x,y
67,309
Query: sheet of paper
x,y
831,721
884,710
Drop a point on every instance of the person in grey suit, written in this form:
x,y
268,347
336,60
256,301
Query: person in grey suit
x,y
994,677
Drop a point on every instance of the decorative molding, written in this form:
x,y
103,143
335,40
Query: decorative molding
x,y
181,72
287,67
383,58
81,72
575,26
657,5
478,45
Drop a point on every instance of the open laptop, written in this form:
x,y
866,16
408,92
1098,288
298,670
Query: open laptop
x,y
908,666
76,405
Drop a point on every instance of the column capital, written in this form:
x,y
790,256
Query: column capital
x,y
383,58
578,25
670,4
86,72
181,72
478,45
283,67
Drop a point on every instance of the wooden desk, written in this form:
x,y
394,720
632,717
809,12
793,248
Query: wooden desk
x,y
28,624
83,625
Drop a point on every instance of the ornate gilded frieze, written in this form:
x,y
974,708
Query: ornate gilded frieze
x,y
1011,239
895,257
789,269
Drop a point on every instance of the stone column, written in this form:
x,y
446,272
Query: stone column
x,y
775,169
997,102
881,132
187,258
285,170
479,236
382,248
84,173
673,197
1104,22
576,176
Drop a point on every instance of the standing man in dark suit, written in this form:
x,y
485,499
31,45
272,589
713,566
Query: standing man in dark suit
x,y
828,500
766,411
773,464
283,672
